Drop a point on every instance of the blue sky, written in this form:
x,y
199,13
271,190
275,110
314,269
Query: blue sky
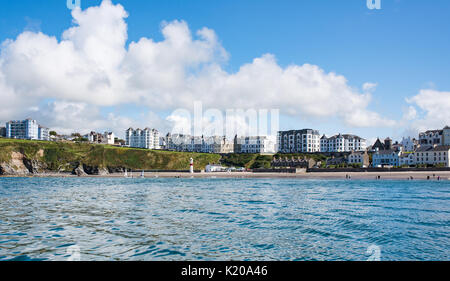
x,y
403,47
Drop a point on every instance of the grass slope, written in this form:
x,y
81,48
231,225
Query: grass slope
x,y
62,156
59,156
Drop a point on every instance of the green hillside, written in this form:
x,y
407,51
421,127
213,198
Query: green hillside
x,y
65,156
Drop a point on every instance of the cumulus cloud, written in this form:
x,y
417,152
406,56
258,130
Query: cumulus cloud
x,y
91,67
429,110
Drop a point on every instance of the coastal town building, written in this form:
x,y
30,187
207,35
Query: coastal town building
x,y
433,156
293,162
214,168
298,141
431,137
146,138
386,158
379,146
176,142
407,159
446,136
409,144
220,145
337,161
188,143
43,133
359,158
342,143
105,138
259,144
3,132
27,129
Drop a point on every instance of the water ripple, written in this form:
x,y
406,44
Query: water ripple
x,y
222,219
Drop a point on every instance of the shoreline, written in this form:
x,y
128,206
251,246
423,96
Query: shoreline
x,y
444,176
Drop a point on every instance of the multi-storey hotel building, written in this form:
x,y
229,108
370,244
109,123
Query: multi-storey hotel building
x,y
27,129
342,143
259,144
146,138
298,141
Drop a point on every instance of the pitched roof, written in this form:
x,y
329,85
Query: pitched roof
x,y
378,144
433,131
442,148
424,148
389,151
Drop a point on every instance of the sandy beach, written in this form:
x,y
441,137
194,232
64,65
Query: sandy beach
x,y
243,175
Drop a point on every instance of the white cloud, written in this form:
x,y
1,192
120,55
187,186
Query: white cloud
x,y
410,113
369,87
91,67
431,110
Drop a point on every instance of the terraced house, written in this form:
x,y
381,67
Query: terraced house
x,y
188,143
386,158
435,137
359,158
433,156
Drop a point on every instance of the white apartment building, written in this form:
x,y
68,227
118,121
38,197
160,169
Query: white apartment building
x,y
298,141
342,143
43,133
146,138
437,155
260,144
214,144
179,142
27,129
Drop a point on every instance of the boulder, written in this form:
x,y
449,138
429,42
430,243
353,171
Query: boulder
x,y
16,166
79,171
103,172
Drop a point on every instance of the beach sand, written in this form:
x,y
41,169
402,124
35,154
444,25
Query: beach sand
x,y
330,175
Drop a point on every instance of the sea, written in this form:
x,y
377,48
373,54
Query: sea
x,y
173,219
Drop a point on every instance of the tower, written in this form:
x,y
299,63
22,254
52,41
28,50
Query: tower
x,y
192,166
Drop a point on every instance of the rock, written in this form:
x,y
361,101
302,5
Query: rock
x,y
79,171
90,170
103,172
113,170
35,166
16,166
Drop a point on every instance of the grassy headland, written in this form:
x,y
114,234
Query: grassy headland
x,y
62,156
66,156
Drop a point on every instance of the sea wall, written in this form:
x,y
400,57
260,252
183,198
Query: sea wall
x,y
375,170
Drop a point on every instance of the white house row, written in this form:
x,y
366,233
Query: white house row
x,y
308,140
427,155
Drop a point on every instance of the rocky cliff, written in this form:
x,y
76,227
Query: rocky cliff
x,y
24,158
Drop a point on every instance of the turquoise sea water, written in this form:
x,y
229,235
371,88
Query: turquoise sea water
x,y
223,219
